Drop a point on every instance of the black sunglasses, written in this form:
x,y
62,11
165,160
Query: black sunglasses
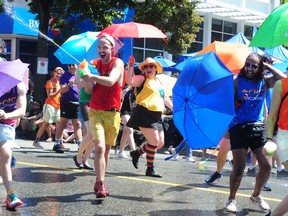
x,y
148,66
254,66
71,65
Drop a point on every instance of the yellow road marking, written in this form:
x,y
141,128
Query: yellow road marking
x,y
147,180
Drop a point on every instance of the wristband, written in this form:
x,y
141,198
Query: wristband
x,y
268,138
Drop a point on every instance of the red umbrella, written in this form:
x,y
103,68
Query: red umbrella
x,y
133,30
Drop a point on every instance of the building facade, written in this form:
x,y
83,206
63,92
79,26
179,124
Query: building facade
x,y
222,20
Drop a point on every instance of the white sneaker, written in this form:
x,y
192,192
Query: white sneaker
x,y
231,205
190,159
260,203
122,155
175,155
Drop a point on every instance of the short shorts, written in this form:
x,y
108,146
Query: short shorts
x,y
7,133
243,136
69,109
105,125
50,114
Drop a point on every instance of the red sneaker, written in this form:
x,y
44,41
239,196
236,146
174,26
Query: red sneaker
x,y
100,189
12,201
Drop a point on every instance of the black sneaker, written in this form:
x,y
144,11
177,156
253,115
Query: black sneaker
x,y
267,187
64,148
58,149
252,172
153,173
135,158
215,176
282,173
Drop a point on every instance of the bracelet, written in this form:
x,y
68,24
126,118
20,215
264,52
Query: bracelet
x,y
268,138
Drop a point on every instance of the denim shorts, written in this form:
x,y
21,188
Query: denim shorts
x,y
7,133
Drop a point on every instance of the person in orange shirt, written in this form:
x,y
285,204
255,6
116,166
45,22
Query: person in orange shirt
x,y
51,109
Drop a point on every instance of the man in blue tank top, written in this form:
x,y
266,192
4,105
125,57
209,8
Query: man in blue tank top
x,y
247,129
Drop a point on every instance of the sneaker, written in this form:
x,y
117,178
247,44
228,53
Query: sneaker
x,y
215,176
37,145
175,155
100,189
282,173
57,149
190,159
267,187
64,148
96,186
122,155
260,202
13,162
49,139
231,205
12,201
152,173
269,214
252,172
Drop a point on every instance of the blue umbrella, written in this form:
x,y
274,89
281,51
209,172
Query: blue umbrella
x,y
180,65
77,48
81,46
279,52
166,63
203,101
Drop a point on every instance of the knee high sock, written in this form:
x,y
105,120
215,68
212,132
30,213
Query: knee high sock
x,y
142,149
150,154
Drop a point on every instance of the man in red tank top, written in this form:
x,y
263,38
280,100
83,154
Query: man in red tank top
x,y
105,104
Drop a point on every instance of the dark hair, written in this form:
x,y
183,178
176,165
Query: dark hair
x,y
260,74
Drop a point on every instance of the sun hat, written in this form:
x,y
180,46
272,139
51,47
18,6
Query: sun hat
x,y
109,38
150,60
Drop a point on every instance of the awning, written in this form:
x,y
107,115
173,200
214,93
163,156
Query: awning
x,y
20,21
224,11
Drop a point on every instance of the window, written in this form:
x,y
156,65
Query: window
x,y
27,52
248,32
7,51
222,30
197,45
147,47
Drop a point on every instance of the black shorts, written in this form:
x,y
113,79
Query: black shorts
x,y
145,118
243,136
69,109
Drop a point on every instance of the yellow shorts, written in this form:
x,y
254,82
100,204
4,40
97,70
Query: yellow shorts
x,y
104,124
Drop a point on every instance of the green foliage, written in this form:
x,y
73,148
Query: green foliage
x,y
176,18
70,12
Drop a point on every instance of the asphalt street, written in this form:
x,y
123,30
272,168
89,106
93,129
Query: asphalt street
x,y
49,184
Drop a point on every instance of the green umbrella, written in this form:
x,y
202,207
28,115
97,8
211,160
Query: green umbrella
x,y
274,30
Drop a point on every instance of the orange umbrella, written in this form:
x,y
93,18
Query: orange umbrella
x,y
232,55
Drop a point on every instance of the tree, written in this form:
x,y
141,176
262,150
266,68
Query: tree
x,y
177,18
69,13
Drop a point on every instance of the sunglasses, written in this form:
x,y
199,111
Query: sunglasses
x,y
254,66
71,65
148,66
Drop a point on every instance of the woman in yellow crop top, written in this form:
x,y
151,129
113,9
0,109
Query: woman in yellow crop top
x,y
150,103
